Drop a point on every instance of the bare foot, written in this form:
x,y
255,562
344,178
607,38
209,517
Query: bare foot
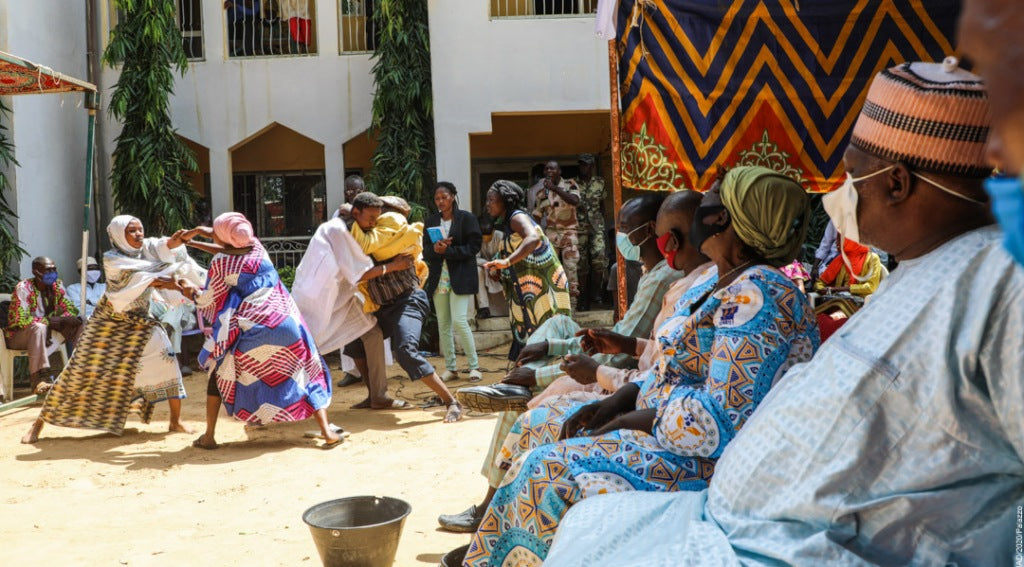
x,y
331,440
33,434
179,427
201,442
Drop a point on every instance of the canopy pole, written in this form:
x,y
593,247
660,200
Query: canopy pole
x,y
91,100
616,128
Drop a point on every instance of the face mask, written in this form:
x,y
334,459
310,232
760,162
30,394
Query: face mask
x,y
49,278
700,232
1008,205
92,276
629,250
670,257
841,206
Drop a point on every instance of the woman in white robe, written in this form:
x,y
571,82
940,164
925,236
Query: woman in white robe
x,y
124,355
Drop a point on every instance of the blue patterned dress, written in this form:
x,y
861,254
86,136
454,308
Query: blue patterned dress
x,y
266,364
718,360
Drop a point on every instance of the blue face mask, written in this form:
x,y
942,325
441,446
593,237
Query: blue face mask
x,y
49,278
1008,205
629,250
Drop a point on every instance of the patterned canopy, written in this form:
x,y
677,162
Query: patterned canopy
x,y
21,76
708,84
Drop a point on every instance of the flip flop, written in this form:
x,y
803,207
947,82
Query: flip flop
x,y
329,446
315,434
396,405
198,443
431,402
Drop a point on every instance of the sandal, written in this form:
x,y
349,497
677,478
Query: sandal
x,y
395,404
315,433
475,375
454,412
332,444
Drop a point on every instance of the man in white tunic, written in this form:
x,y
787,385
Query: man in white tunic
x,y
325,291
901,442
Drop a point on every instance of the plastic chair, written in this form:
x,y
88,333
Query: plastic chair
x,y
7,356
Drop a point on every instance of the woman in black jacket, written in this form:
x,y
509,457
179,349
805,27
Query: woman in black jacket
x,y
451,243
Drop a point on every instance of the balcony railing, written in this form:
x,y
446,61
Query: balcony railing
x,y
285,251
278,28
358,30
542,8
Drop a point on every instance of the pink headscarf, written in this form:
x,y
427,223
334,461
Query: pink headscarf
x,y
233,229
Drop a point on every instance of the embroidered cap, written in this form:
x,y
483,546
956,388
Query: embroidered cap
x,y
934,117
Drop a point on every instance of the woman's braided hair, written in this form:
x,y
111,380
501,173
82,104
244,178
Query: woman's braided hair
x,y
510,194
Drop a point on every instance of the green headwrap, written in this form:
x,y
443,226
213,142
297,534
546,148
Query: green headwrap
x,y
769,211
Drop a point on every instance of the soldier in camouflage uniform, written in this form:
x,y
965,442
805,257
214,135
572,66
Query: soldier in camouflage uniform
x,y
557,202
590,213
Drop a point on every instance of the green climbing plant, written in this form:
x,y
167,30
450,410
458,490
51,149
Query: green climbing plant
x,y
150,160
403,124
11,251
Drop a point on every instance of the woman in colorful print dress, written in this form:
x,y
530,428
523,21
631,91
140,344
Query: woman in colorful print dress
x,y
534,281
741,325
263,363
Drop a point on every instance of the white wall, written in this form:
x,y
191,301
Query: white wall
x,y
49,131
221,102
480,66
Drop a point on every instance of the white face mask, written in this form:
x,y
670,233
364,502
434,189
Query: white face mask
x,y
92,276
841,206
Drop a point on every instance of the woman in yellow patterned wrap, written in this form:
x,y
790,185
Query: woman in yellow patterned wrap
x,y
533,278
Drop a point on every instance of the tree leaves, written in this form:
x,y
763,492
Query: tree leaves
x,y
149,158
403,122
11,251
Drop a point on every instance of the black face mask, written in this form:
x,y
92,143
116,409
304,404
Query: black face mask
x,y
699,232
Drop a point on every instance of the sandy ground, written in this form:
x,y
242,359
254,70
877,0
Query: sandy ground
x,y
81,497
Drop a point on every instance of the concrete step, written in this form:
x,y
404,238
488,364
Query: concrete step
x,y
490,324
585,319
486,340
495,331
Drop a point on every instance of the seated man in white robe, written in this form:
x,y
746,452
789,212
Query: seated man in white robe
x,y
901,442
94,288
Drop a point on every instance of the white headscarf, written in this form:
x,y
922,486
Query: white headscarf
x,y
115,230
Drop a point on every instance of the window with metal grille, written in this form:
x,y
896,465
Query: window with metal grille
x,y
358,30
260,28
282,204
190,22
541,8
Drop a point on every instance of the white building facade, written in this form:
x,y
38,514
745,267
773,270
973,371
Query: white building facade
x,y
276,104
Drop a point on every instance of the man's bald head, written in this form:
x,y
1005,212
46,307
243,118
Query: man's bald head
x,y
41,262
640,210
677,211
41,265
674,217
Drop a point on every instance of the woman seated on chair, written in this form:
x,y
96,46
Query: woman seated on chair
x,y
124,355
